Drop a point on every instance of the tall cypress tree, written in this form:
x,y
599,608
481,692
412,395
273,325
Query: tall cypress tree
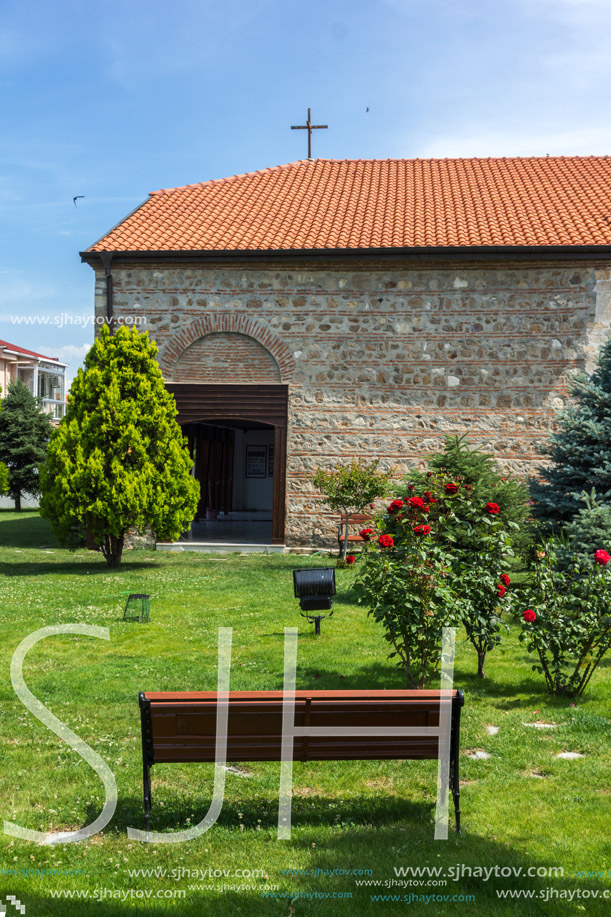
x,y
118,458
24,434
580,451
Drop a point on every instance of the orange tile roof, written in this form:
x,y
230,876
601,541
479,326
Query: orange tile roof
x,y
388,203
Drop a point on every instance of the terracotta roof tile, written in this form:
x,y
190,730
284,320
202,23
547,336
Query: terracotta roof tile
x,y
389,203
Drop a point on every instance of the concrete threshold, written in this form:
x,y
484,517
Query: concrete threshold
x,y
220,547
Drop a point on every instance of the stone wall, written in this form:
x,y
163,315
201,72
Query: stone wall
x,y
381,359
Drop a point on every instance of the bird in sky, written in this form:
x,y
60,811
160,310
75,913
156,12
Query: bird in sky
x,y
76,198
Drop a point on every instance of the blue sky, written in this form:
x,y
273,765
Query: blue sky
x,y
114,100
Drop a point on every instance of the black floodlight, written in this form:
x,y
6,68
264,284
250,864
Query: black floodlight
x,y
314,588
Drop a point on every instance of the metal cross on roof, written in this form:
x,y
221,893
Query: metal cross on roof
x,y
309,127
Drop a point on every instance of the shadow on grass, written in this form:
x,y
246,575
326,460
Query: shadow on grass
x,y
312,811
348,596
490,687
25,530
372,840
70,568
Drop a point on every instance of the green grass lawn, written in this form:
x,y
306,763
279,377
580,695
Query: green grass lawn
x,y
523,807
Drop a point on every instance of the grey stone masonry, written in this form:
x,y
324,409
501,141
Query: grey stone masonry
x,y
381,358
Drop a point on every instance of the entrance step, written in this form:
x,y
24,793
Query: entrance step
x,y
220,547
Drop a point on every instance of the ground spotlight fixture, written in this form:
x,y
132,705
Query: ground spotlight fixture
x,y
314,588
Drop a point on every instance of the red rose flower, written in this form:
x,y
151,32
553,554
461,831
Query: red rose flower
x,y
492,508
350,559
505,579
416,501
395,506
429,474
468,487
428,495
451,488
366,534
372,506
601,557
386,541
422,530
529,615
500,589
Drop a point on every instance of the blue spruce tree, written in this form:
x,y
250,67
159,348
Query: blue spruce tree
x,y
579,452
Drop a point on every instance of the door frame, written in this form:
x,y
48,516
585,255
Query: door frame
x,y
200,402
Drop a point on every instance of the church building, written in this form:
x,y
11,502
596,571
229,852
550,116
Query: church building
x,y
326,309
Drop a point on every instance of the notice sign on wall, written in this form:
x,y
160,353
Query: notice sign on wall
x,y
256,461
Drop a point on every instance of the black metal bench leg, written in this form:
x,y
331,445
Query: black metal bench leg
x,y
148,755
146,785
457,705
456,795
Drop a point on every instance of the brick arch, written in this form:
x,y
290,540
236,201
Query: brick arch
x,y
219,324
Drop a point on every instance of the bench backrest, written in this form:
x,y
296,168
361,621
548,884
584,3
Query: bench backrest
x,y
182,726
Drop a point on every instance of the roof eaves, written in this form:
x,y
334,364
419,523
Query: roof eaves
x,y
464,252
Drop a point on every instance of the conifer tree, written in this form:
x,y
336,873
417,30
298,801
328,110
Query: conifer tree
x,y
587,532
118,458
580,451
24,433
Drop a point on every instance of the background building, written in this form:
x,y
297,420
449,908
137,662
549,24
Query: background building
x,y
44,376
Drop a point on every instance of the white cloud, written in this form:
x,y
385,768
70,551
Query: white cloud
x,y
74,352
16,291
73,355
513,141
578,12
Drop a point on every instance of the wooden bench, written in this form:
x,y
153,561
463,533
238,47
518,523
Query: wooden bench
x,y
359,519
181,727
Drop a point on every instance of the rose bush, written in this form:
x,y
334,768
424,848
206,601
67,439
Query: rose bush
x,y
482,548
404,582
568,623
416,579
